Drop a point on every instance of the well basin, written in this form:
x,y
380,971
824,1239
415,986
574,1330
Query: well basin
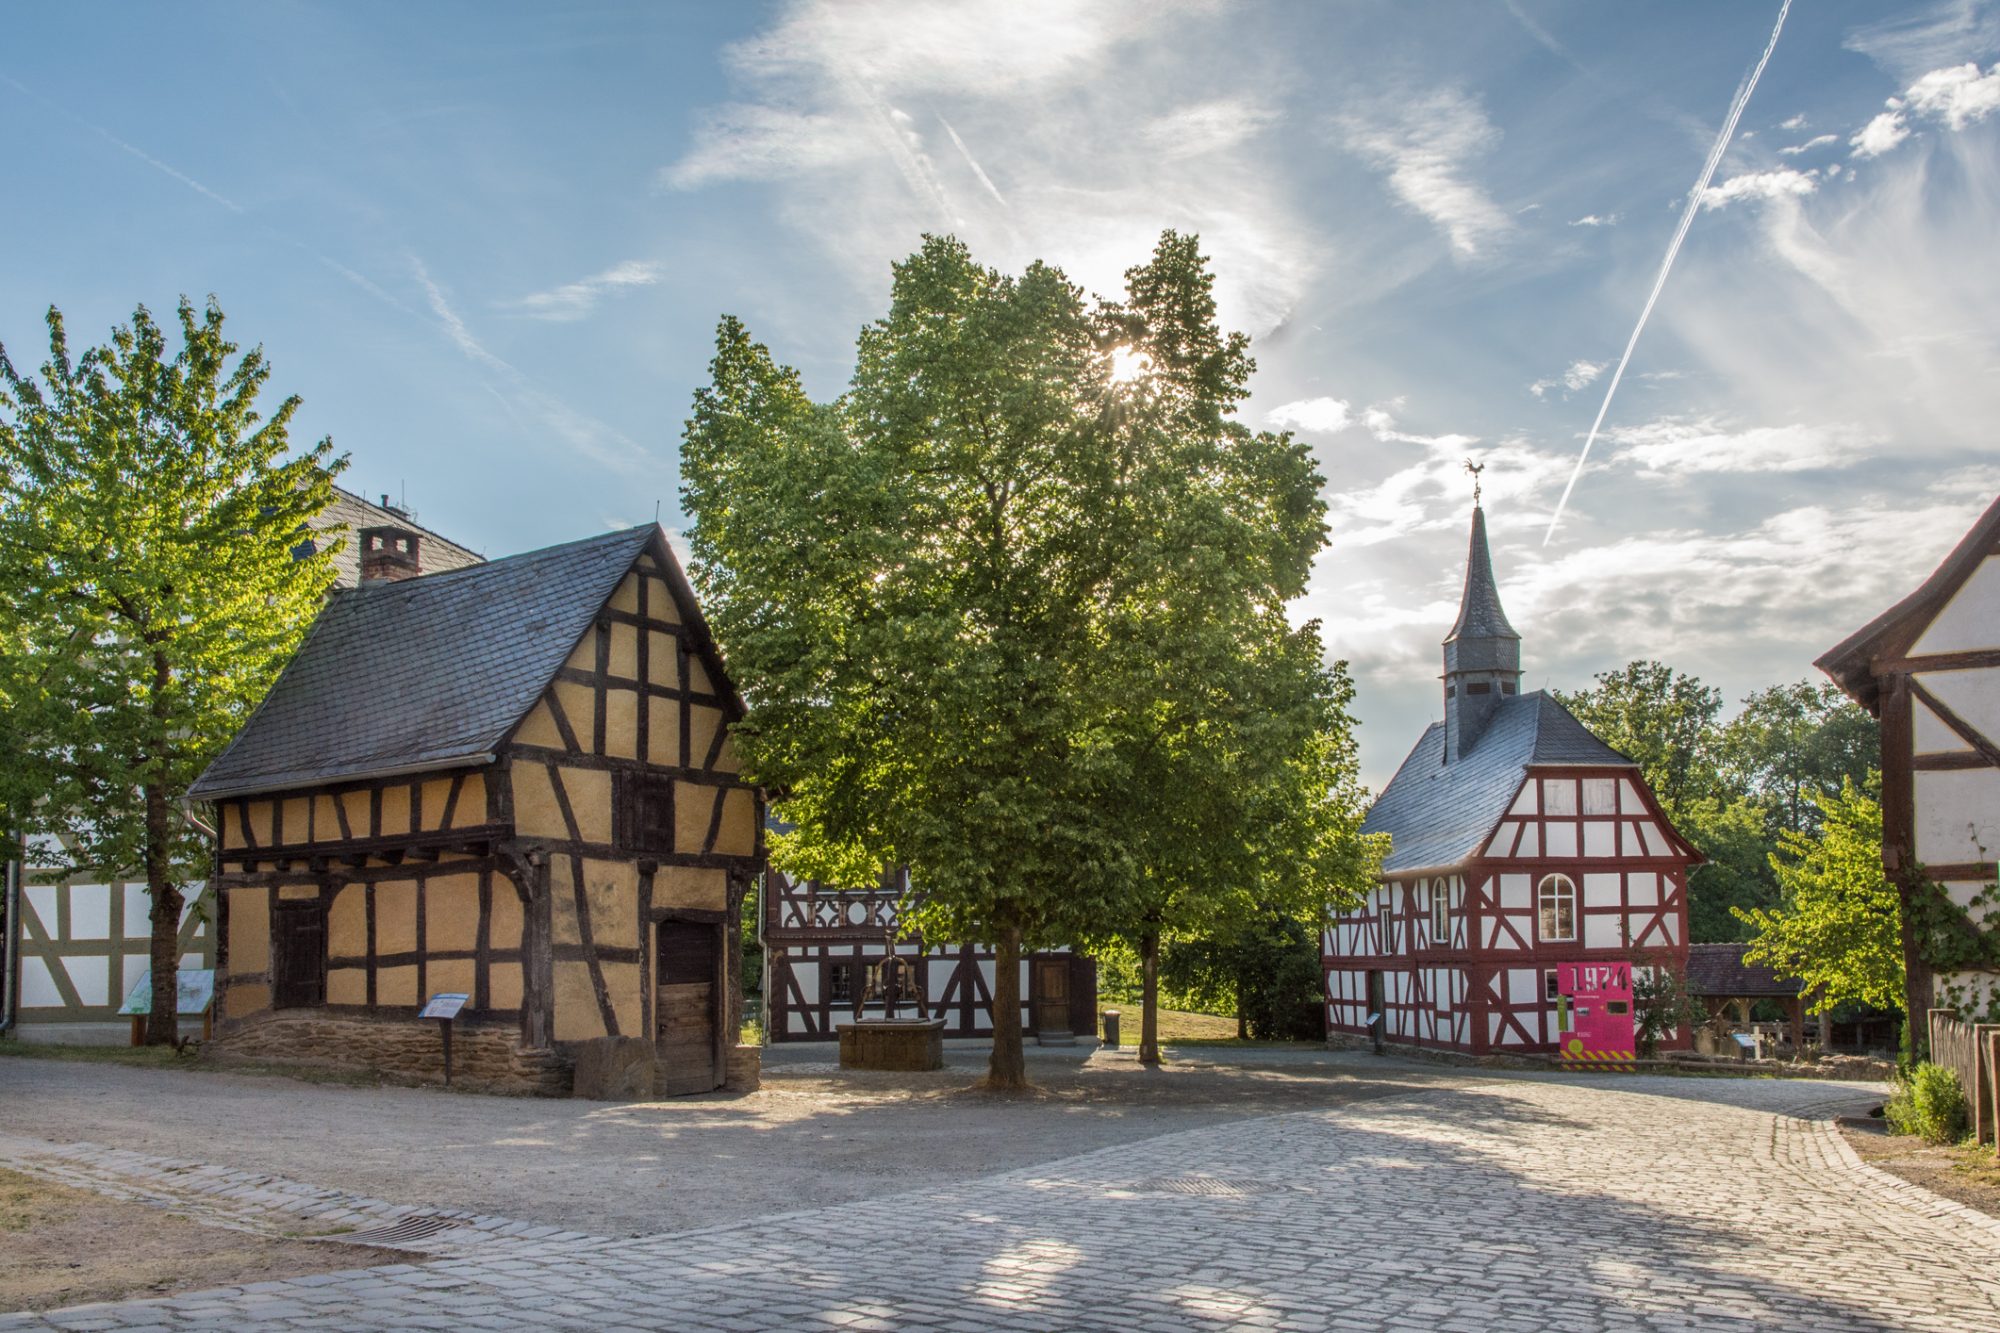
x,y
893,1043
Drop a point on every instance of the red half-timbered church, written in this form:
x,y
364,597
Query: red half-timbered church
x,y
1530,870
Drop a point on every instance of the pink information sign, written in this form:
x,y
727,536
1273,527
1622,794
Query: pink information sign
x,y
1595,1007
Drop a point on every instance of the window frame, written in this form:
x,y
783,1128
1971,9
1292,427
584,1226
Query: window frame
x,y
1545,902
642,808
1441,911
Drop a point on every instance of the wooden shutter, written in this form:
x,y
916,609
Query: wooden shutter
x,y
298,955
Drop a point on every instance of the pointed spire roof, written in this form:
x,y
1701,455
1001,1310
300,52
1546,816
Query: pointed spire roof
x,y
1479,613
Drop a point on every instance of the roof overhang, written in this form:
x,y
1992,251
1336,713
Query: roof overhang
x,y
280,782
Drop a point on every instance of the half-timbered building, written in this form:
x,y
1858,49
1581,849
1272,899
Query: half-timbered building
x,y
512,782
1529,870
1929,668
824,948
80,941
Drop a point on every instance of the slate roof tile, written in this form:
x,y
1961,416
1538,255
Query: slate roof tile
x,y
1439,814
1719,970
425,673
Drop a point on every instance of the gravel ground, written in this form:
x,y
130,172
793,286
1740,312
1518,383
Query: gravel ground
x,y
811,1137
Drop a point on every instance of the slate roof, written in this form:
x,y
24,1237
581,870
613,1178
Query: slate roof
x,y
435,553
429,672
1439,814
1479,612
1719,970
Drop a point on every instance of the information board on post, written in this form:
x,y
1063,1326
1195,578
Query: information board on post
x,y
445,1004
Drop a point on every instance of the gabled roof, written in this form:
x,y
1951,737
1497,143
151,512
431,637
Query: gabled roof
x,y
1851,662
435,555
1719,970
431,672
1438,814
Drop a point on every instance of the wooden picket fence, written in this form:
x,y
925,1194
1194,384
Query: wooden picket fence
x,y
1972,1051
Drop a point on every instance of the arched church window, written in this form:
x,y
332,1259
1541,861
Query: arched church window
x,y
1557,901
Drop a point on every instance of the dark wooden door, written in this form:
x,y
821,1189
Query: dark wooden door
x,y
298,955
687,1004
1051,991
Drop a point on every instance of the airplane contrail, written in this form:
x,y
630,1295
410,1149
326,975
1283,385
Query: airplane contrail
x,y
1715,153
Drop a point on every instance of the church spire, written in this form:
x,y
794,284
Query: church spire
x,y
1482,654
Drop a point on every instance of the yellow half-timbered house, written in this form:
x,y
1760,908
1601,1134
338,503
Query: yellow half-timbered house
x,y
513,782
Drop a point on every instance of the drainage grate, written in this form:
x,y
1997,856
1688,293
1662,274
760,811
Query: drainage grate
x,y
402,1231
1233,1188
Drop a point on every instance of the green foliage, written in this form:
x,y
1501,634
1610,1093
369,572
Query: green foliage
x,y
150,530
1020,627
1929,1103
1661,1005
1735,836
1663,720
1791,743
1838,928
1264,970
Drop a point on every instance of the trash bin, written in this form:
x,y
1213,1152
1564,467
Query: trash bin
x,y
1111,1029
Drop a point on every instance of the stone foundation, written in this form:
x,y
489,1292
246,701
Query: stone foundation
x,y
483,1059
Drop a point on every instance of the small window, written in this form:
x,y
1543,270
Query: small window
x,y
1441,911
1557,901
1479,687
1509,687
1558,796
1550,990
1386,919
1600,796
1617,1007
643,804
840,983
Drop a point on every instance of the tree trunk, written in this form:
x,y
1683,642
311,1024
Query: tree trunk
x,y
1149,998
1826,1028
163,1024
1007,1070
1242,1014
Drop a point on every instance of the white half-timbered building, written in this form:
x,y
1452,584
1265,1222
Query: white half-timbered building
x,y
1530,869
1929,668
824,950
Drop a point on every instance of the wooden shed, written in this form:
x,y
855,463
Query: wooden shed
x,y
512,781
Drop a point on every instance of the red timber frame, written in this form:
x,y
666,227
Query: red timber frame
x,y
1484,987
811,929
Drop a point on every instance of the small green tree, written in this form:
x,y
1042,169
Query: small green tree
x,y
1793,742
151,524
1839,928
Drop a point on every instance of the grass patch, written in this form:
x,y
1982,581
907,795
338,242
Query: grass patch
x,y
1179,1027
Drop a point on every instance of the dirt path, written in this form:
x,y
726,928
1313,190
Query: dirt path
x,y
1967,1175
62,1246
811,1137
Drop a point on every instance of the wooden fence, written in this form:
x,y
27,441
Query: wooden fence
x,y
1972,1051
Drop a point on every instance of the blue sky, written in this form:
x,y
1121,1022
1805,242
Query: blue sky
x,y
488,245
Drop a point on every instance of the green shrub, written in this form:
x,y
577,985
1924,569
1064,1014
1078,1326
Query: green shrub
x,y
1930,1104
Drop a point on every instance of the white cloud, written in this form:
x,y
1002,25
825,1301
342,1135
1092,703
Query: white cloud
x,y
1426,146
1959,96
573,300
1597,220
1783,183
1312,416
1817,141
1880,135
1683,446
1030,129
1797,122
1579,375
1923,37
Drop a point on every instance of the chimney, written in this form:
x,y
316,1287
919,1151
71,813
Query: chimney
x,y
389,555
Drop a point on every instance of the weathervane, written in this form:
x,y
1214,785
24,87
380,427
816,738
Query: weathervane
x,y
1475,469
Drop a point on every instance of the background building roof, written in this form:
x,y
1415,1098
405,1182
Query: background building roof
x,y
1719,970
1438,814
424,673
435,554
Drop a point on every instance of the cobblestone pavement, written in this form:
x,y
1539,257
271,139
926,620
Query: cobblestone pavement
x,y
1501,1204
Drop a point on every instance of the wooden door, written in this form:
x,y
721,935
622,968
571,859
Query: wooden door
x,y
1051,992
687,1001
298,955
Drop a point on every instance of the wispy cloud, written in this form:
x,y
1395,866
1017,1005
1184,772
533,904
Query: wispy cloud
x,y
1579,374
1784,183
1311,416
1596,220
1685,446
1031,129
1817,141
1797,122
574,300
1426,146
523,399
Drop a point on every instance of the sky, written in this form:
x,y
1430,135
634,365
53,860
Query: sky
x,y
488,244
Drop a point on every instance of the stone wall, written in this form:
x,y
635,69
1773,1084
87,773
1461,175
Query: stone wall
x,y
485,1059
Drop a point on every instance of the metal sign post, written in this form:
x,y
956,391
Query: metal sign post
x,y
444,1007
